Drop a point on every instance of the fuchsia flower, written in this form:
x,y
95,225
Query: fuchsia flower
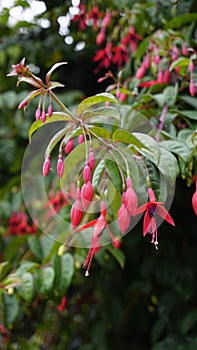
x,y
99,225
120,55
87,192
152,210
62,305
104,56
46,166
69,146
76,212
18,225
194,200
131,38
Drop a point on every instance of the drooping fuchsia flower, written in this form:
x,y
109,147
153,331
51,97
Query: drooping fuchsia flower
x,y
194,200
99,225
152,210
104,56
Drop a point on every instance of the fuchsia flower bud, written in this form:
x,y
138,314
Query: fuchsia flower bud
x,y
166,76
192,88
46,166
81,139
43,116
140,72
191,66
38,114
184,50
123,97
69,146
76,212
87,192
156,59
50,109
91,160
107,19
87,173
175,53
23,104
130,198
160,76
147,61
100,37
194,200
60,166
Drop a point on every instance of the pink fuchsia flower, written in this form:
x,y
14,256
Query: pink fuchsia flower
x,y
81,17
19,69
153,209
107,19
94,16
91,159
18,225
104,56
100,37
81,139
99,225
87,173
140,72
194,200
131,38
120,55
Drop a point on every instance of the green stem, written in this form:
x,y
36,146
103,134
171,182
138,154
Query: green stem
x,y
64,108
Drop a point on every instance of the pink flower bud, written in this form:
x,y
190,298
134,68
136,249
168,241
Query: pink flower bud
x,y
123,218
87,173
81,139
123,97
50,110
100,37
60,166
46,166
76,211
156,59
191,66
192,88
38,114
130,198
166,76
87,192
91,160
69,146
140,72
184,50
147,61
177,69
194,200
23,104
43,116
160,76
175,53
107,19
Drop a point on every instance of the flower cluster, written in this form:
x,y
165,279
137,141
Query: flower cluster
x,y
18,225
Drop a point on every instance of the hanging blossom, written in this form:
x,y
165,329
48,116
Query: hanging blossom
x,y
99,225
42,88
153,209
194,200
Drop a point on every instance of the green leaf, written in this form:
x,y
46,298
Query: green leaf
x,y
26,289
56,117
10,308
180,21
117,254
101,132
44,280
14,247
189,114
38,83
25,266
170,94
55,84
168,166
5,267
188,322
127,137
35,246
114,198
192,101
97,175
177,147
181,62
90,101
150,144
55,66
114,173
64,269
